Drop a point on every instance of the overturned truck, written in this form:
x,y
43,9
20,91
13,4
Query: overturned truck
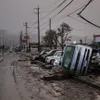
x,y
77,59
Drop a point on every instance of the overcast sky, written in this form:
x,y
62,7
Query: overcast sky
x,y
13,13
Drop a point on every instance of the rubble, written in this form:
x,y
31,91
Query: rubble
x,y
68,89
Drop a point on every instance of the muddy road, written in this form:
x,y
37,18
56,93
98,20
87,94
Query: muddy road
x,y
8,90
22,82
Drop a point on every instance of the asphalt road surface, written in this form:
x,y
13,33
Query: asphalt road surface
x,y
8,90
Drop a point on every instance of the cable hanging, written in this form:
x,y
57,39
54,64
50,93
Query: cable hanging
x,y
79,14
65,6
53,9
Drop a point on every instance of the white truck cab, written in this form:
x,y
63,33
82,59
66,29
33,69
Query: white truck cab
x,y
76,59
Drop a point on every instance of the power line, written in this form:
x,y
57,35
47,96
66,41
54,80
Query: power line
x,y
32,25
79,14
65,6
90,1
44,23
62,16
54,3
76,19
44,27
89,21
53,9
49,12
32,29
76,10
68,15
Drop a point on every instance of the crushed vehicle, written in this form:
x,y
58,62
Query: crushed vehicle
x,y
39,57
56,56
77,59
57,61
50,53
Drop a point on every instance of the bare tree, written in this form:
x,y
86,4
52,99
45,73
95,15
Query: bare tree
x,y
63,34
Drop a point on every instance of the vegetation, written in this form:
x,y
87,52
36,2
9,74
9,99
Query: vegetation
x,y
53,38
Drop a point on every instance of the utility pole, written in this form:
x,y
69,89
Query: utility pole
x,y
50,24
26,27
38,13
21,42
50,32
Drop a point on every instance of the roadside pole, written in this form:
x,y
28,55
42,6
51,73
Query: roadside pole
x,y
21,42
38,13
26,27
50,32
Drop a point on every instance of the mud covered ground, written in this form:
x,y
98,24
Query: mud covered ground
x,y
28,80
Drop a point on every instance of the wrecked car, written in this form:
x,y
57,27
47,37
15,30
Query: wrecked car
x,y
50,53
41,54
51,59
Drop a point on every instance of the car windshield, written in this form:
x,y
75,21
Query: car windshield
x,y
52,52
58,54
68,55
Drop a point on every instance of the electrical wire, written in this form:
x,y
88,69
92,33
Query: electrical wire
x,y
41,19
44,28
76,10
32,29
44,23
32,25
89,21
76,19
90,1
53,9
63,9
79,14
65,6
68,15
54,3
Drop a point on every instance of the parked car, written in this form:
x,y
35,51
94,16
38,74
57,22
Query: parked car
x,y
41,54
57,61
51,59
50,53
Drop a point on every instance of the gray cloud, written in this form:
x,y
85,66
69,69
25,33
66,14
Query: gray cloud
x,y
13,13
